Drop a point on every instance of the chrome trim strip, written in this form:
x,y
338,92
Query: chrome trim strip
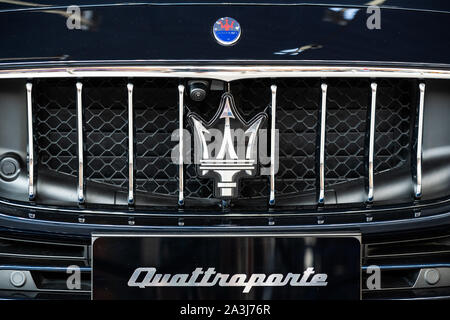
x,y
419,142
31,191
226,73
323,118
273,89
81,196
130,145
373,86
181,145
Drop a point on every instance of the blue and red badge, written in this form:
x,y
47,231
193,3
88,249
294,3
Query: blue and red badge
x,y
227,31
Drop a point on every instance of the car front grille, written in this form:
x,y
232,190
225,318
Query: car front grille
x,y
156,117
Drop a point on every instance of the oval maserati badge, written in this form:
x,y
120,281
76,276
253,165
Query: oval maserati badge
x,y
227,31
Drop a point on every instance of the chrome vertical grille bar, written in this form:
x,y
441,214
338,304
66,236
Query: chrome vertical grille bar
x,y
31,193
273,88
322,144
130,145
81,196
181,144
419,142
372,140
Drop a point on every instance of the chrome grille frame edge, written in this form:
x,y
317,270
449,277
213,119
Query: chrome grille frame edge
x,y
225,73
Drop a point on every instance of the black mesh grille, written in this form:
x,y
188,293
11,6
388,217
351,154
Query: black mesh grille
x,y
156,117
297,114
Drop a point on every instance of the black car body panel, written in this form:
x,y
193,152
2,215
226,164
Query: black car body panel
x,y
179,33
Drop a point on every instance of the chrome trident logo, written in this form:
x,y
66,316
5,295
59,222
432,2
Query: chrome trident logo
x,y
236,155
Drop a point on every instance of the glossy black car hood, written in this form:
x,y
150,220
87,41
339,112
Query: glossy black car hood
x,y
412,33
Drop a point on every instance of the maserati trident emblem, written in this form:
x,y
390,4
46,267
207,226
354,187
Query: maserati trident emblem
x,y
236,153
227,31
